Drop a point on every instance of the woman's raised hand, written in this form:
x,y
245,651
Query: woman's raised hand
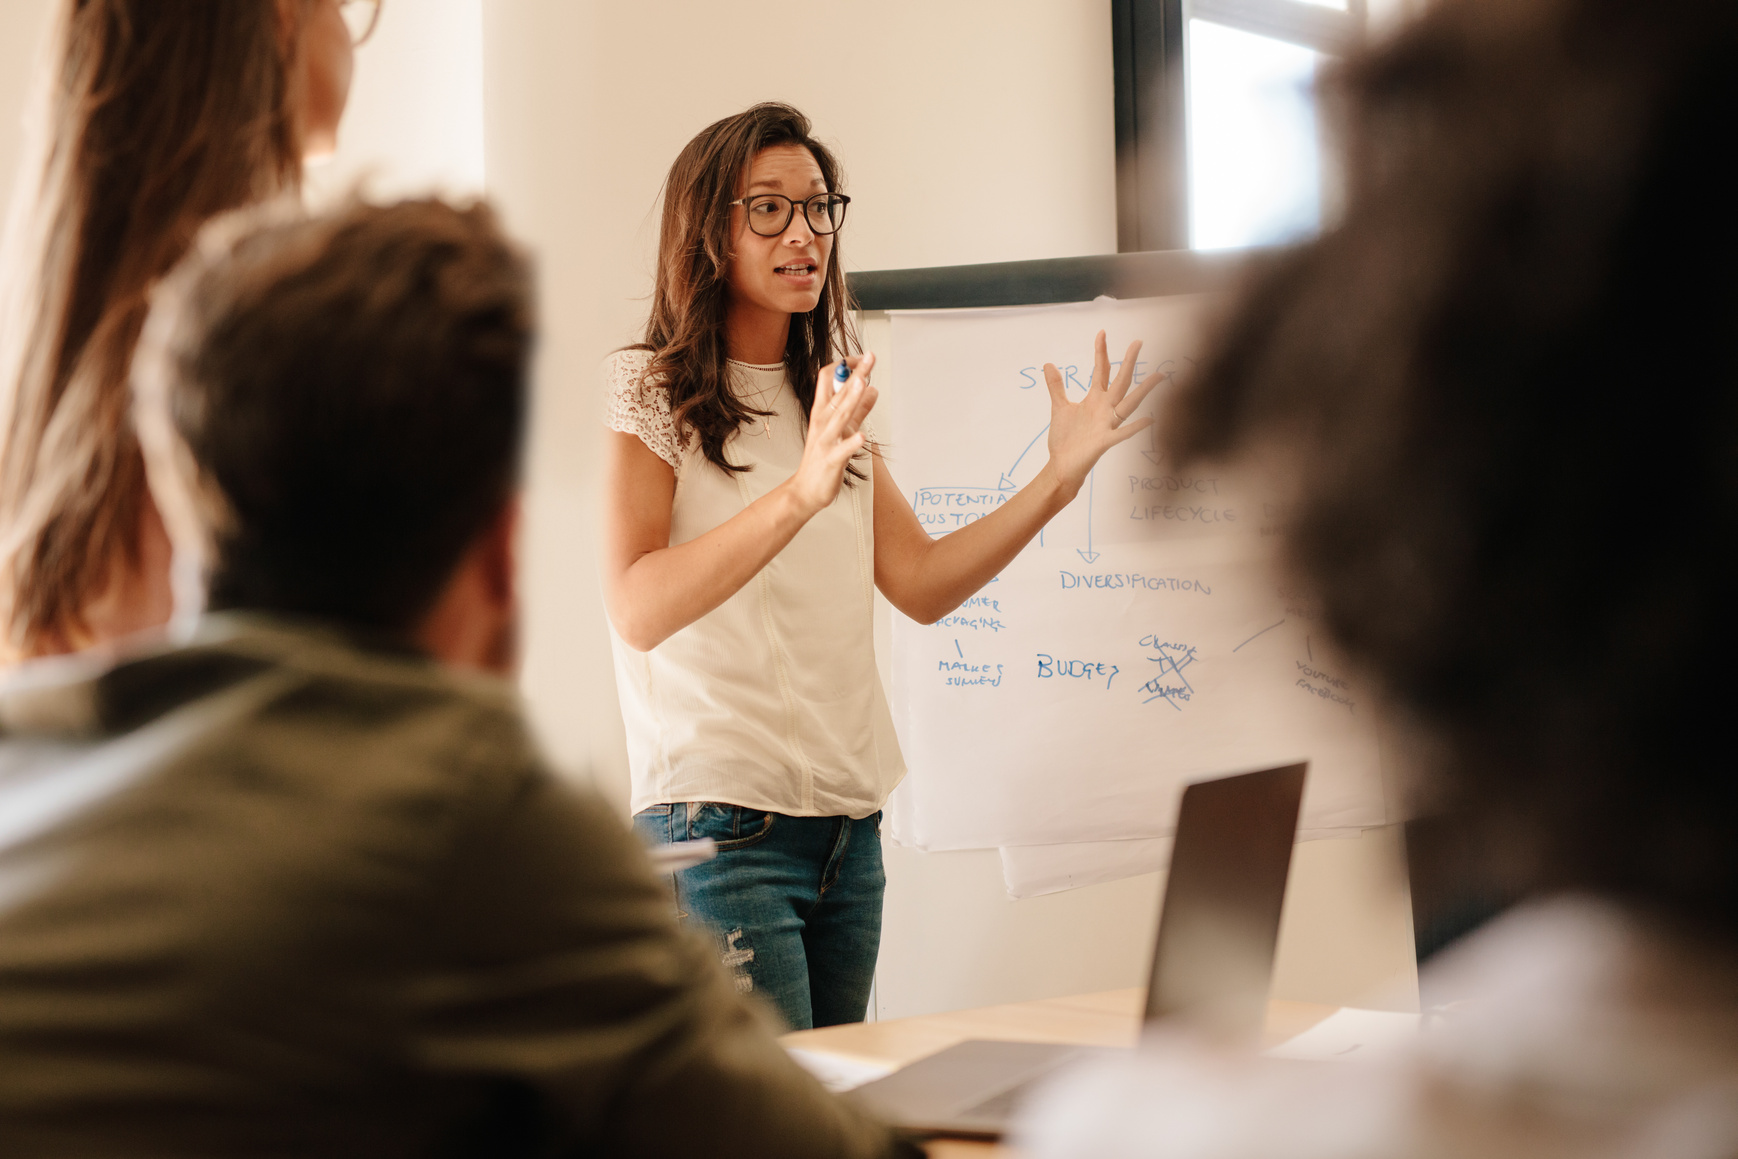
x,y
835,434
1081,432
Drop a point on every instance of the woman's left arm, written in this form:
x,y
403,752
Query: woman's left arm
x,y
928,578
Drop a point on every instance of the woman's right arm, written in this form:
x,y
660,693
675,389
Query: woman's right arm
x,y
653,590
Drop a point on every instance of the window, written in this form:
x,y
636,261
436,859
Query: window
x,y
1218,144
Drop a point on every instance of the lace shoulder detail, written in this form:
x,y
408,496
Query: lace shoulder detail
x,y
637,407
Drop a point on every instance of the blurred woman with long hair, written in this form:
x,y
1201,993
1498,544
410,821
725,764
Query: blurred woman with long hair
x,y
152,117
1501,398
749,521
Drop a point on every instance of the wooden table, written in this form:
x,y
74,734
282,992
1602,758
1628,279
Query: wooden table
x,y
1111,1018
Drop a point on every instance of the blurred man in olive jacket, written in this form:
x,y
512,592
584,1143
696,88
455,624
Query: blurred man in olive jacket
x,y
301,883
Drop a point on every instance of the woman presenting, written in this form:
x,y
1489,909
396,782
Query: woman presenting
x,y
748,520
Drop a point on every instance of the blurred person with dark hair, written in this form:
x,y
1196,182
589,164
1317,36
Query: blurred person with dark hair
x,y
303,884
1502,398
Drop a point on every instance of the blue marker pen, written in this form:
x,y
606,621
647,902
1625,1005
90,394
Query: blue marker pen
x,y
840,377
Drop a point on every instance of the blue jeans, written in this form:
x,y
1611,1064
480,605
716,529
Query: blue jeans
x,y
795,902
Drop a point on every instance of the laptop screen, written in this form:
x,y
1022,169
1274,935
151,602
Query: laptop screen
x,y
1213,961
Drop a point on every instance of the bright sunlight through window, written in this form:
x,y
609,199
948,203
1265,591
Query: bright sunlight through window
x,y
1255,166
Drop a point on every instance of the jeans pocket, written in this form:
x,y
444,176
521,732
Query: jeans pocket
x,y
653,825
731,826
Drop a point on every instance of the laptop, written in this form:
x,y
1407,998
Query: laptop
x,y
1212,960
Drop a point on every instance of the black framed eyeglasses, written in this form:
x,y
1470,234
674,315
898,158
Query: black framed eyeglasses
x,y
770,214
360,16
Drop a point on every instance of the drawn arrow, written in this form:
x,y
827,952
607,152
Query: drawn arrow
x,y
1153,454
1089,555
1007,482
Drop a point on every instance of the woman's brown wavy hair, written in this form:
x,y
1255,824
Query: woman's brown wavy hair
x,y
686,330
152,116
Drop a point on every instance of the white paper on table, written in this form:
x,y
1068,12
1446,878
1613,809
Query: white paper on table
x,y
1141,642
1350,1032
838,1073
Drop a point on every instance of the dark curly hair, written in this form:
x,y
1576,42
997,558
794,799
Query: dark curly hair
x,y
1504,392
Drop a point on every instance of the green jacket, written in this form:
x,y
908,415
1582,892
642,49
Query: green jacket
x,y
279,892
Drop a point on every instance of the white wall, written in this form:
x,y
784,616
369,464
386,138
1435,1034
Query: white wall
x,y
23,24
583,105
415,118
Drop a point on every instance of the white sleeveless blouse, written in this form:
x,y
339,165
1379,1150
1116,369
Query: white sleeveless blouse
x,y
772,700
